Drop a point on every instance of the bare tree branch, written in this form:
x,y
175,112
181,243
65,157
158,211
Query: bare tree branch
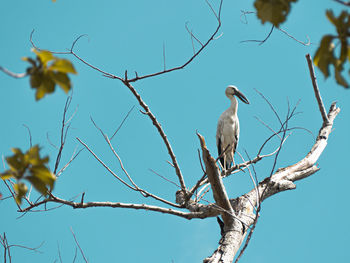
x,y
342,2
160,131
260,41
308,43
211,38
219,191
136,188
12,74
201,211
316,90
123,121
72,52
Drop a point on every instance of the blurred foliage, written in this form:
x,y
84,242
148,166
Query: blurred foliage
x,y
276,12
273,11
47,71
325,55
31,167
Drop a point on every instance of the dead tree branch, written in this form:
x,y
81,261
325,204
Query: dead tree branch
x,y
316,90
198,211
160,131
12,74
219,191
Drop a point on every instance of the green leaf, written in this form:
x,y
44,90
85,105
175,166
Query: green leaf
x,y
20,190
47,86
44,175
47,71
38,185
63,65
44,56
340,79
32,156
274,11
17,163
324,56
62,80
331,17
36,79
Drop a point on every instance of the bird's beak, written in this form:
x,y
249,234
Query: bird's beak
x,y
242,97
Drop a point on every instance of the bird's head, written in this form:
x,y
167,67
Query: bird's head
x,y
232,91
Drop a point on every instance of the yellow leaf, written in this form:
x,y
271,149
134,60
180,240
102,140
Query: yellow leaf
x,y
38,185
20,190
340,79
6,175
63,65
44,175
324,56
44,56
62,80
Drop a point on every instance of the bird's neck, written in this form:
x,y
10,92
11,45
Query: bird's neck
x,y
234,105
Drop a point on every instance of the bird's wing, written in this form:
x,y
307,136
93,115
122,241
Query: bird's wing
x,y
218,139
236,132
219,131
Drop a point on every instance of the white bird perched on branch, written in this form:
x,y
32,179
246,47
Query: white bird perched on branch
x,y
227,133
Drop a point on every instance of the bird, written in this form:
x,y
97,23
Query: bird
x,y
227,133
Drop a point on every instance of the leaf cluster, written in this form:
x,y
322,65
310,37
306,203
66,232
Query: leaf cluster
x,y
31,167
273,11
46,71
325,55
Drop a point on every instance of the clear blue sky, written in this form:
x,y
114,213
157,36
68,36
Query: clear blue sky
x,y
303,225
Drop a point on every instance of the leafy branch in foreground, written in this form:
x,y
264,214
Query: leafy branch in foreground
x,y
31,167
325,54
47,71
275,11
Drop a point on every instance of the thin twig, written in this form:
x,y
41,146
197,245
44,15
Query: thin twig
x,y
193,37
260,41
160,131
105,166
316,90
163,177
289,35
30,135
211,38
71,52
64,131
164,64
59,253
271,106
121,124
76,242
342,2
74,155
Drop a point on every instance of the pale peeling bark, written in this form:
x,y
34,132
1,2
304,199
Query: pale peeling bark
x,y
219,191
284,178
230,243
233,228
